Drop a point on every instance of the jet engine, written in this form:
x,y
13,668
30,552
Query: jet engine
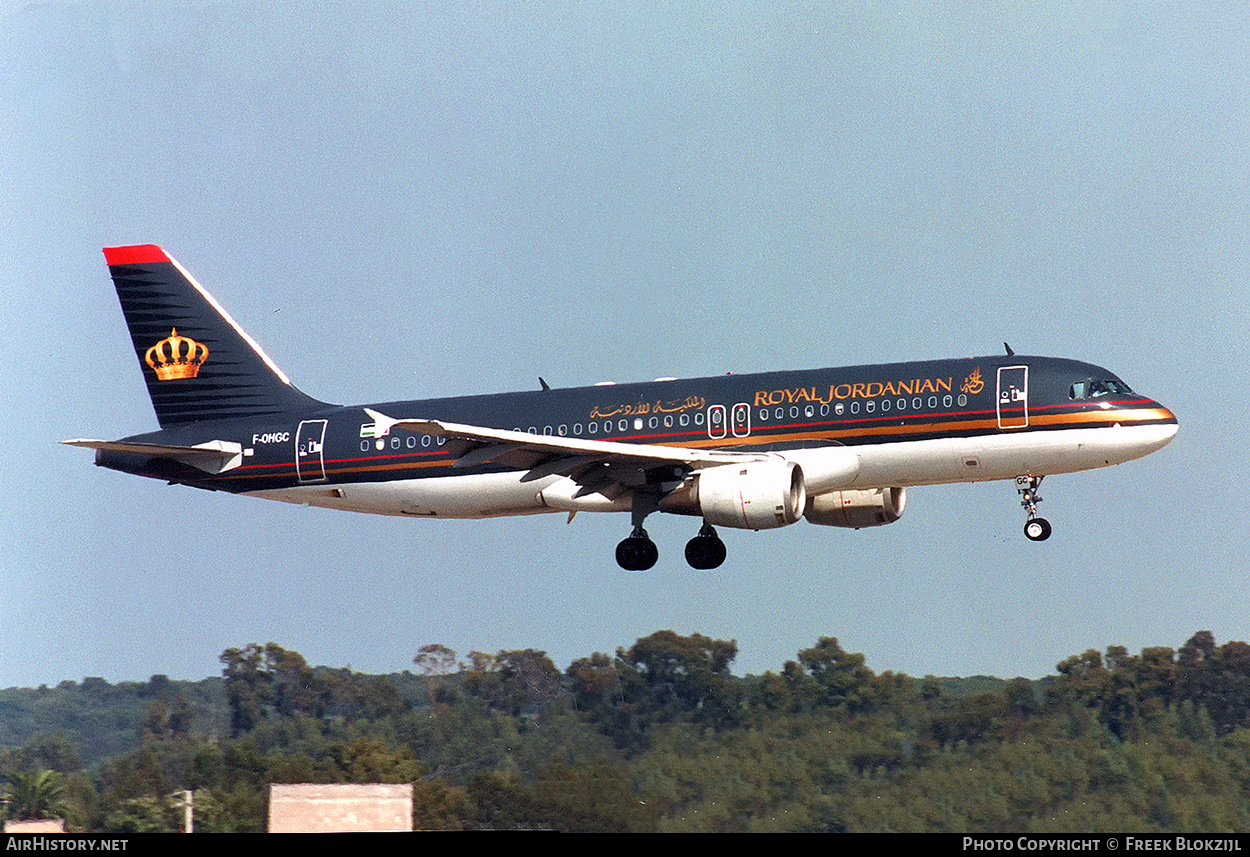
x,y
857,508
758,495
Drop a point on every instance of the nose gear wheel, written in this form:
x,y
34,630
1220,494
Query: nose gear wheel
x,y
1035,529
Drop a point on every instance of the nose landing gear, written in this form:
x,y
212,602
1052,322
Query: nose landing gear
x,y
1035,529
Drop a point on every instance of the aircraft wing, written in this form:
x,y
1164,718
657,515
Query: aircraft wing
x,y
597,465
216,456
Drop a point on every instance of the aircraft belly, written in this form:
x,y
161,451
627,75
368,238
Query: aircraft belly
x,y
470,496
1005,455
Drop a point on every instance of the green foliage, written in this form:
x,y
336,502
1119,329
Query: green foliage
x,y
35,794
659,737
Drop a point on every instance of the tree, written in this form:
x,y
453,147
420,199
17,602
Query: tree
x,y
269,679
595,683
436,662
523,682
668,675
36,794
247,690
826,676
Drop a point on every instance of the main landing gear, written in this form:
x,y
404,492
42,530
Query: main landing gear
x,y
639,553
705,550
1035,529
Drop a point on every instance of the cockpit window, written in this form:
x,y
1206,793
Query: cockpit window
x,y
1092,388
1108,387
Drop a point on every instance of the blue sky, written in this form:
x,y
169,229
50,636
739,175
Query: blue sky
x,y
416,199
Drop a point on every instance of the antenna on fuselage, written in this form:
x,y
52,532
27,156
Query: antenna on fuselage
x,y
544,383
1010,353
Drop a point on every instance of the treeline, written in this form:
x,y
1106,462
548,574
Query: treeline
x,y
660,736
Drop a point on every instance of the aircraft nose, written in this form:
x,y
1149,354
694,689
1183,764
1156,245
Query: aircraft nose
x,y
1173,422
1167,426
1168,417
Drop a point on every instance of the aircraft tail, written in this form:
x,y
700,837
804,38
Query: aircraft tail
x,y
197,362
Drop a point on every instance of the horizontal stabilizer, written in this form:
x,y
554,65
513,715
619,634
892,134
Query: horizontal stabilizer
x,y
215,456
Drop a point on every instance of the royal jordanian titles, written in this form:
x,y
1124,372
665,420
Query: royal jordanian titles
x,y
835,447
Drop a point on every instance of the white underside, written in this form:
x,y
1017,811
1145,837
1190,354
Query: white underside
x,y
902,464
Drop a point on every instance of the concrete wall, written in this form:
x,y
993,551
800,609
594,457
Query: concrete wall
x,y
340,808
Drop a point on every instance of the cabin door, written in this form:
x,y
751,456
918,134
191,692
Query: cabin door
x,y
1013,397
309,459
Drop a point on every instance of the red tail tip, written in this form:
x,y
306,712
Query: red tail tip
x,y
138,254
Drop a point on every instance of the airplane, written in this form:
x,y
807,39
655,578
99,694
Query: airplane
x,y
836,447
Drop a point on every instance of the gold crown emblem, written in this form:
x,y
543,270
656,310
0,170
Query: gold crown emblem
x,y
176,357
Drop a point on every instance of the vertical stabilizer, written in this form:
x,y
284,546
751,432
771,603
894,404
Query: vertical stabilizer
x,y
197,362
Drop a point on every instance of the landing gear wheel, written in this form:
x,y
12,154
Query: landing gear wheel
x,y
1037,529
638,552
705,550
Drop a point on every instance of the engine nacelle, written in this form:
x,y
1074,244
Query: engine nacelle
x,y
857,508
758,495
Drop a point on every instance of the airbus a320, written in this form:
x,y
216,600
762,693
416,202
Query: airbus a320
x,y
837,447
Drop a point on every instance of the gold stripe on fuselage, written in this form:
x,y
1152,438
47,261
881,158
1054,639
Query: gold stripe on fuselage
x,y
944,428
